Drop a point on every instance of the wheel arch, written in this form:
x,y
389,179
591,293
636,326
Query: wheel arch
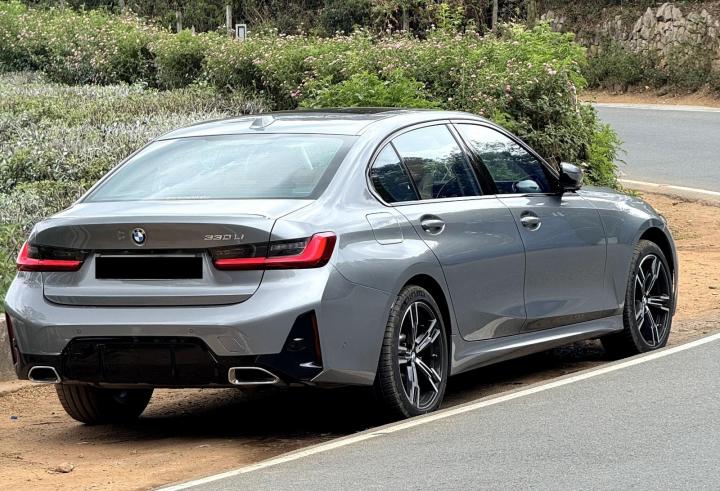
x,y
658,236
433,287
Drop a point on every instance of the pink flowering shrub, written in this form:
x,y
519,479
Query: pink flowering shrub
x,y
526,80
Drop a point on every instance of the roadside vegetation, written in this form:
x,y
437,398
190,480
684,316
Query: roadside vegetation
x,y
85,89
687,69
56,140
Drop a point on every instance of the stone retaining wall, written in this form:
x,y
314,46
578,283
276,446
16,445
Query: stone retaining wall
x,y
657,32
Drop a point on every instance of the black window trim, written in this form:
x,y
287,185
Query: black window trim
x,y
482,175
404,168
388,141
555,177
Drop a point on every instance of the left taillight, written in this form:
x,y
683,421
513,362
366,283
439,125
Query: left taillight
x,y
40,258
311,252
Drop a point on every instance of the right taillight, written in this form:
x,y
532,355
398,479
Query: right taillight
x,y
312,252
40,258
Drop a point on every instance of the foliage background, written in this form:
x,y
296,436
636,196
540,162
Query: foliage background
x,y
110,82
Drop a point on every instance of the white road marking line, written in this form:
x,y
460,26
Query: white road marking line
x,y
670,186
447,413
658,107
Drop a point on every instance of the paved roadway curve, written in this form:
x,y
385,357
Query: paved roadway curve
x,y
668,146
651,425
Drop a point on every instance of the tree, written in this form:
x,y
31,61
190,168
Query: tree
x,y
532,12
493,24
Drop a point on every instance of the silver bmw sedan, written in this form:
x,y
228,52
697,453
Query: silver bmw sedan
x,y
385,248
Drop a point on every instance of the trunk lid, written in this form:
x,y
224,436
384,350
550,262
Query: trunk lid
x,y
156,253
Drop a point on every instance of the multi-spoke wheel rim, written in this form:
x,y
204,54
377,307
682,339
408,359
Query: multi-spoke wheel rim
x,y
421,355
652,300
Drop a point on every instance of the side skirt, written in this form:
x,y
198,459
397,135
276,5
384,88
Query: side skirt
x,y
470,355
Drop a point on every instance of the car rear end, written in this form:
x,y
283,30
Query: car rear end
x,y
177,270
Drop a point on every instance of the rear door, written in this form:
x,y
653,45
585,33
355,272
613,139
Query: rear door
x,y
473,235
562,233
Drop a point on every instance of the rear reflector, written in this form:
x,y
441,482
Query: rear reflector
x,y
11,339
32,258
296,254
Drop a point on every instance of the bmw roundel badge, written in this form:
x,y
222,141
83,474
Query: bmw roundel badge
x,y
138,236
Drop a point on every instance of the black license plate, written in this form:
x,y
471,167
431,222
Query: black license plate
x,y
148,267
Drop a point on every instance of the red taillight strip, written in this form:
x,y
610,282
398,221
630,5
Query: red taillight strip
x,y
26,263
316,254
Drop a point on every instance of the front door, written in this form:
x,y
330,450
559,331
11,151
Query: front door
x,y
473,236
562,233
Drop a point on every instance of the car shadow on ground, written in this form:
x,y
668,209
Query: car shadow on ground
x,y
315,414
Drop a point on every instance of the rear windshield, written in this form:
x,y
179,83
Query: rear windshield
x,y
227,167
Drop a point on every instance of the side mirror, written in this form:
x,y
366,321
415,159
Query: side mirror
x,y
527,186
571,177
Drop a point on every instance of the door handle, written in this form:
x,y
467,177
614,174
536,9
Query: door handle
x,y
432,225
530,220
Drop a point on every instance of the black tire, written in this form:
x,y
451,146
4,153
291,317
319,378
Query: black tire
x,y
391,386
638,335
93,405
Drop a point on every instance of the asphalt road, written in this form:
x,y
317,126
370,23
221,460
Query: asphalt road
x,y
651,425
668,146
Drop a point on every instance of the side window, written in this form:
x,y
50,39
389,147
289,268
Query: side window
x,y
436,163
390,179
513,169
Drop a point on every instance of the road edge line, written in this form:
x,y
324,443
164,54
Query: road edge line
x,y
658,107
446,413
673,187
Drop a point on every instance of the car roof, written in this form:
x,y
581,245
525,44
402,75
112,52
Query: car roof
x,y
338,121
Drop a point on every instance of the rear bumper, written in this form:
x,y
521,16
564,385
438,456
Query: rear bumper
x,y
350,325
170,363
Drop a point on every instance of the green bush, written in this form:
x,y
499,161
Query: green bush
x,y
179,58
714,83
603,153
344,15
75,47
76,134
617,68
57,140
368,90
688,67
526,80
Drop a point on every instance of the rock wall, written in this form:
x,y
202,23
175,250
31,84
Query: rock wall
x,y
657,31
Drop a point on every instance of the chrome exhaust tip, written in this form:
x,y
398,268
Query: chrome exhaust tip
x,y
251,376
44,375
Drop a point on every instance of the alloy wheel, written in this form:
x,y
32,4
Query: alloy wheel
x,y
421,355
652,300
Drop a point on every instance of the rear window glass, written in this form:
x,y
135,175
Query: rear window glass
x,y
389,178
227,167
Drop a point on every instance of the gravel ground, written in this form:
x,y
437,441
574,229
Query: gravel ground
x,y
190,433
